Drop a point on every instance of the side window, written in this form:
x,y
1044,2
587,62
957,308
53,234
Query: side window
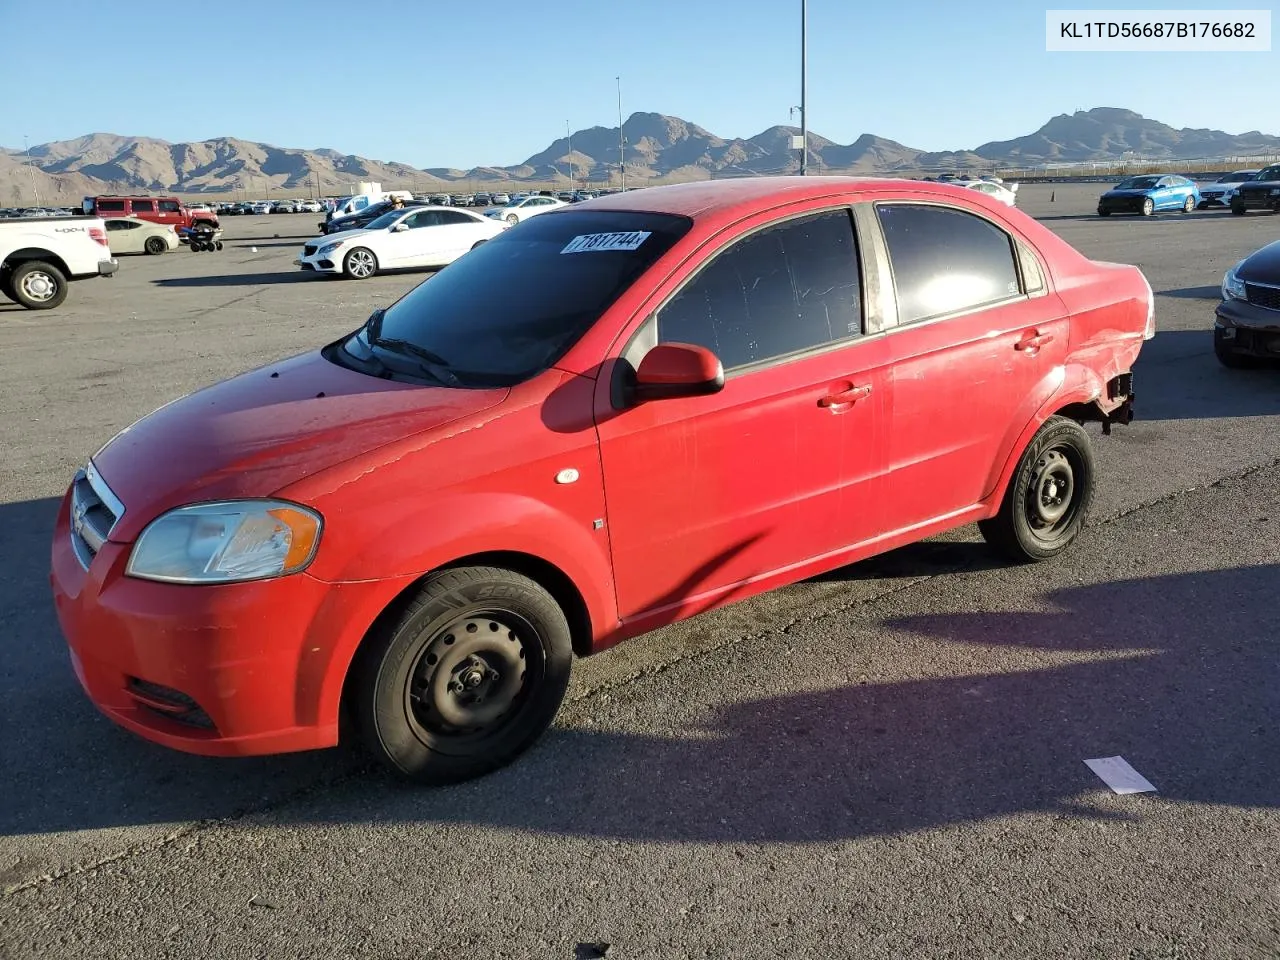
x,y
111,206
427,218
448,217
1032,273
784,289
946,260
168,206
143,206
117,224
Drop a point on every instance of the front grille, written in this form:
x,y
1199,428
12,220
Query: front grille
x,y
169,703
95,510
1261,295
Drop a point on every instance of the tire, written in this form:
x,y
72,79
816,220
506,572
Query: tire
x,y
360,263
1189,205
1037,521
1104,213
1230,359
155,246
217,245
1148,207
1202,206
37,285
1238,210
194,246
408,676
512,218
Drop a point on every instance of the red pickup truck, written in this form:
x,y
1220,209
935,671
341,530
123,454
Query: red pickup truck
x,y
170,211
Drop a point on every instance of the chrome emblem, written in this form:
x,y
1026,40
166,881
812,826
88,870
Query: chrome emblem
x,y
78,513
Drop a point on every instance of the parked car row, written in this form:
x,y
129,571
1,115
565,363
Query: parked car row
x,y
1239,191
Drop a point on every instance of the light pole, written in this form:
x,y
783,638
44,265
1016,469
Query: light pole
x,y
32,168
622,142
569,134
804,82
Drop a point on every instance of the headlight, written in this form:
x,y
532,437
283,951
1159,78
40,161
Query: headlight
x,y
328,248
226,542
1233,286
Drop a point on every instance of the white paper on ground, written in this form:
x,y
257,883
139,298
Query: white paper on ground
x,y
1119,776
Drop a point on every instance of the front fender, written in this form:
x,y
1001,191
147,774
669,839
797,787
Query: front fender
x,y
1061,387
411,538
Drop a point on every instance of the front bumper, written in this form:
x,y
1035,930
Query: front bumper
x,y
1256,199
320,263
232,670
1247,329
107,268
1216,198
1121,204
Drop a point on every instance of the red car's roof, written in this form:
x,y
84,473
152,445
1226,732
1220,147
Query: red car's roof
x,y
702,197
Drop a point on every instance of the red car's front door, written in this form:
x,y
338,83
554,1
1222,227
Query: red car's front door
x,y
973,353
706,492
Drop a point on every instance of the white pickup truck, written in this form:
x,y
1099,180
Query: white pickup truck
x,y
39,256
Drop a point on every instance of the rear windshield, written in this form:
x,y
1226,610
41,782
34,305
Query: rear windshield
x,y
512,307
1236,177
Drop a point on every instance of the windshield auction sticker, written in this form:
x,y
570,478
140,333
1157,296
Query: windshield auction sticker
x,y
597,242
1156,31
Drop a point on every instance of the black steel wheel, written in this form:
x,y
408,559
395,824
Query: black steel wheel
x,y
466,678
1048,497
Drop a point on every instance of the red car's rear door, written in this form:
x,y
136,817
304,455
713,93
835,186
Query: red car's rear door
x,y
973,352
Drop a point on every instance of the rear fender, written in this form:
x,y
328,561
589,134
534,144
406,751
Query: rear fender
x,y
1072,386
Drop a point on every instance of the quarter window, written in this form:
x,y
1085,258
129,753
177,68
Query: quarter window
x,y
782,290
946,260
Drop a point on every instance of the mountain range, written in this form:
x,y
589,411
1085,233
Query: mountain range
x,y
658,149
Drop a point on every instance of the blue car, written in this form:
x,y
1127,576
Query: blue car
x,y
1149,193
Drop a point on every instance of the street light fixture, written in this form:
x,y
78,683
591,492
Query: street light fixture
x,y
622,142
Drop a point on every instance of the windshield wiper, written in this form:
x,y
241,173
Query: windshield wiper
x,y
429,361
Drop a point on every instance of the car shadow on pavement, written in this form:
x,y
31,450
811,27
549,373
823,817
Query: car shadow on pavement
x,y
1213,293
1176,673
243,279
1177,377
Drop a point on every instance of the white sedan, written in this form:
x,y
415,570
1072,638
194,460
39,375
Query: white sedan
x,y
128,235
400,239
1006,194
516,210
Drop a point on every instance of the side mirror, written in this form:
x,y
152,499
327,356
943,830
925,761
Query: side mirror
x,y
400,227
672,370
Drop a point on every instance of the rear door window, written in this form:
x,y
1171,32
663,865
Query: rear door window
x,y
143,206
946,260
111,206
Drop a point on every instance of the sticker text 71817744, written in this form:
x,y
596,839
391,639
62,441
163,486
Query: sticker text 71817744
x,y
598,242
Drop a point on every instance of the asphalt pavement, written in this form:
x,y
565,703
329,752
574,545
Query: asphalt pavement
x,y
886,761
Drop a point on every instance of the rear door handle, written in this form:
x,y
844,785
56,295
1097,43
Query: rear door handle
x,y
845,398
1034,341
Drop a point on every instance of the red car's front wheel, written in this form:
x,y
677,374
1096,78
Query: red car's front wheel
x,y
466,678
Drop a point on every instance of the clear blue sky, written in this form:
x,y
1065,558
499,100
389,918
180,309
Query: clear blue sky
x,y
462,84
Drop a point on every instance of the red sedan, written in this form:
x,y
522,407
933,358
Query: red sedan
x,y
604,420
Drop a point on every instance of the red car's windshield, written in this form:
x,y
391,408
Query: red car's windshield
x,y
512,307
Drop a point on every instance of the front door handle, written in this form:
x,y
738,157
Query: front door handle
x,y
1033,341
845,398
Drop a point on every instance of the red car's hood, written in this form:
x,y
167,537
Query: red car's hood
x,y
255,433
